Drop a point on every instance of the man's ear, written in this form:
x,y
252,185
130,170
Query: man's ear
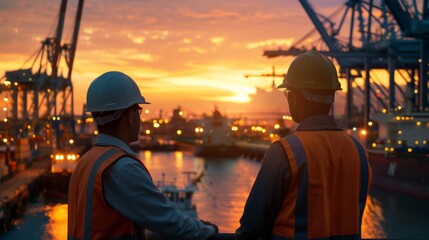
x,y
129,117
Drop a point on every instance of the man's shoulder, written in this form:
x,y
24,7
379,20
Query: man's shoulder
x,y
127,161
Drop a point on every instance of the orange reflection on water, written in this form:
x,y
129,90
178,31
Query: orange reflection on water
x,y
56,228
373,219
147,157
179,159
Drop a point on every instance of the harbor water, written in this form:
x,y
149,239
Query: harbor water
x,y
223,190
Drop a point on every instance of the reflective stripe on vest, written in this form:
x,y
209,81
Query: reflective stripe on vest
x,y
364,178
90,190
297,199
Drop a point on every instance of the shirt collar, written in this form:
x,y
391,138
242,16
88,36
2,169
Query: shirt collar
x,y
104,139
320,122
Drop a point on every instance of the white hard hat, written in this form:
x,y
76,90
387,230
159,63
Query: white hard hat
x,y
113,91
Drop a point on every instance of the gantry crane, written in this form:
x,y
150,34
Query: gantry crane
x,y
49,91
389,37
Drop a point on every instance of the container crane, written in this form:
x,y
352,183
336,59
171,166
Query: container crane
x,y
415,25
50,93
381,44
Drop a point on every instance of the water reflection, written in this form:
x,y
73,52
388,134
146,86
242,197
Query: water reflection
x,y
373,219
43,220
223,191
56,227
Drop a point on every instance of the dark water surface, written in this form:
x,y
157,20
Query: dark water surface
x,y
221,197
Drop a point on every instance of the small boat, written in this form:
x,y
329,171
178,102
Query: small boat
x,y
181,196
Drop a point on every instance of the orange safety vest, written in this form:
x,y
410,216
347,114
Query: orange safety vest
x,y
89,215
330,178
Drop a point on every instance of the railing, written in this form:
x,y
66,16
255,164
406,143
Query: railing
x,y
223,236
219,236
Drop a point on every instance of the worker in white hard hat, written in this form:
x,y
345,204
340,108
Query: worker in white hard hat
x,y
314,182
111,193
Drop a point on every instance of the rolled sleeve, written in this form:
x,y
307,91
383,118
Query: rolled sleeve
x,y
130,190
267,194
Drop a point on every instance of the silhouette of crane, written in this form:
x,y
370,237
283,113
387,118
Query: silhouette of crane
x,y
50,93
390,35
272,74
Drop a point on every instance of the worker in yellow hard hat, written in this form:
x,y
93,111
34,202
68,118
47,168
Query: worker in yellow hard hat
x,y
111,193
314,182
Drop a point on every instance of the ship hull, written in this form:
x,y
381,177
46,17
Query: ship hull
x,y
56,184
401,172
217,151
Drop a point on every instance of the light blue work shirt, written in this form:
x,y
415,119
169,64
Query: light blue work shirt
x,y
129,189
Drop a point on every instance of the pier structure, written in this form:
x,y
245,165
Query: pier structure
x,y
366,36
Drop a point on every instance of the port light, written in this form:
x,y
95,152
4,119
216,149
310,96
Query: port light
x,y
58,157
72,157
410,150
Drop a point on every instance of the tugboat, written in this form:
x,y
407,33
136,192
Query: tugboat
x,y
181,196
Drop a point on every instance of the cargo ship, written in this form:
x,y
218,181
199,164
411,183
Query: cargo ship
x,y
215,137
400,155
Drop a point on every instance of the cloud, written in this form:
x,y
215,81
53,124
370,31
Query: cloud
x,y
217,40
193,49
207,14
136,39
271,42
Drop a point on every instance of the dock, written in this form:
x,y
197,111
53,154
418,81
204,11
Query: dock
x,y
16,191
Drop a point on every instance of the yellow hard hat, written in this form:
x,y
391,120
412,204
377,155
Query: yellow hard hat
x,y
312,71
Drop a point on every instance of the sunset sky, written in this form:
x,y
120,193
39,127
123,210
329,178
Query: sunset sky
x,y
185,53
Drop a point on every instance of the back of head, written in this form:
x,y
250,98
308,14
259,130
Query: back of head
x,y
111,93
313,78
